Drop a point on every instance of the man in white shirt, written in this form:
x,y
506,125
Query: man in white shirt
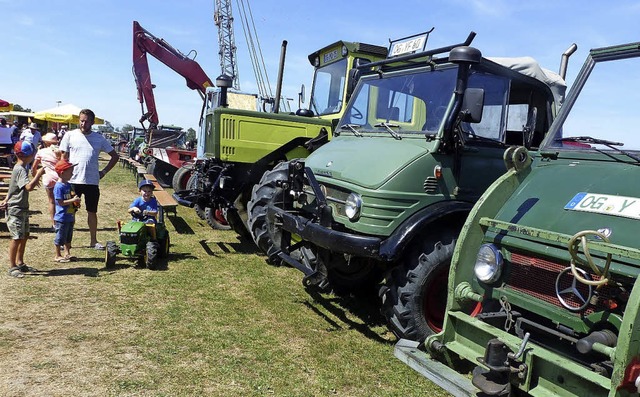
x,y
82,147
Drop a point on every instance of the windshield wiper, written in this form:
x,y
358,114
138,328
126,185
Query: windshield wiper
x,y
352,128
388,127
596,141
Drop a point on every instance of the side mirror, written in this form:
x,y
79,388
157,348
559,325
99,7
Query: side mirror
x,y
301,96
472,105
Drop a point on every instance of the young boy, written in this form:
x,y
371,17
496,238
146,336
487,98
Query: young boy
x,y
65,214
17,205
145,207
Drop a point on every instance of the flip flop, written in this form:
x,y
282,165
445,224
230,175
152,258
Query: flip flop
x,y
98,247
15,272
62,260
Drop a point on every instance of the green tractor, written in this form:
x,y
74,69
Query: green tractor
x,y
137,243
237,146
381,205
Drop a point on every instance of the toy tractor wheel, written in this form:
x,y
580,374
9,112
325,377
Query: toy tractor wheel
x,y
191,184
110,254
153,251
181,178
415,295
215,219
265,193
164,244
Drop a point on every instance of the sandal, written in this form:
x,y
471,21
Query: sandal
x,y
62,259
15,272
26,269
98,247
70,257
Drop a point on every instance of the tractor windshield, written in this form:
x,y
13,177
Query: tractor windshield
x,y
603,117
328,88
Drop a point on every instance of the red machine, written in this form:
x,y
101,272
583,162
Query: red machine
x,y
166,157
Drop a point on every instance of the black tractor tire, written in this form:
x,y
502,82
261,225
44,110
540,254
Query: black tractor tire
x,y
197,207
358,276
163,172
215,219
181,178
415,295
153,251
164,244
266,237
111,252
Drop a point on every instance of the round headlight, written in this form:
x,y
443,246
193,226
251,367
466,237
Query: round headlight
x,y
489,263
352,206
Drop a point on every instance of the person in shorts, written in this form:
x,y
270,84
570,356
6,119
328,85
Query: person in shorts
x,y
82,147
65,215
17,205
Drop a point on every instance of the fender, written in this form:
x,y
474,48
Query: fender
x,y
392,247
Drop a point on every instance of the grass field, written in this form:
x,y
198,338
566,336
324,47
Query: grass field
x,y
215,321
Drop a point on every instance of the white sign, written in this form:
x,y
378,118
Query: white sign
x,y
627,207
408,46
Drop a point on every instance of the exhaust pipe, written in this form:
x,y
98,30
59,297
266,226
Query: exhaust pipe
x,y
565,60
283,53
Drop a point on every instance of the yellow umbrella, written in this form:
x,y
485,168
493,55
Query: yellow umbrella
x,y
63,114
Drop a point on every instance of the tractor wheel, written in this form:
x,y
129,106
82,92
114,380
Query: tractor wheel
x,y
111,252
354,275
153,250
191,184
415,295
215,219
163,172
181,178
266,192
164,244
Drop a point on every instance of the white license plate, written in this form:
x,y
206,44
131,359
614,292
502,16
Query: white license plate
x,y
628,207
407,47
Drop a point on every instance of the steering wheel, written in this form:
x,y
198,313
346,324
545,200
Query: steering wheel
x,y
356,114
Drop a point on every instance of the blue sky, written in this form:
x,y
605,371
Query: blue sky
x,y
80,52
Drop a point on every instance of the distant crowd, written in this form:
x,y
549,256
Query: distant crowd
x,y
14,131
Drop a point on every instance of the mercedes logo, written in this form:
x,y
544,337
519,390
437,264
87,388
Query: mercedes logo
x,y
573,295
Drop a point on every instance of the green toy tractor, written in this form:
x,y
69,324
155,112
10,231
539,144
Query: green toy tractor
x,y
136,244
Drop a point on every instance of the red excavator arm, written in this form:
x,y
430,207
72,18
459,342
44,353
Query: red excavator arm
x,y
143,43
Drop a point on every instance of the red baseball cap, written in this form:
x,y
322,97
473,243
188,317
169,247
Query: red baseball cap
x,y
23,149
62,165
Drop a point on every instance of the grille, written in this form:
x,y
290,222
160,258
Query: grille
x,y
537,278
430,185
228,129
129,238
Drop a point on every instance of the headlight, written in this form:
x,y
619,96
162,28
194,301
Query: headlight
x,y
352,206
489,263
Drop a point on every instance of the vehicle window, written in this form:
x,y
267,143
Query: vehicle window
x,y
495,98
328,87
414,102
605,109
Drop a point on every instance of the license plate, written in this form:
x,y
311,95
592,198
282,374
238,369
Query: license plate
x,y
330,56
408,46
627,207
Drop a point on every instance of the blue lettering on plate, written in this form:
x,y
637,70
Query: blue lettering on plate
x,y
575,200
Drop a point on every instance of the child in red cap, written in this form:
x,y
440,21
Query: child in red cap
x,y
65,214
17,205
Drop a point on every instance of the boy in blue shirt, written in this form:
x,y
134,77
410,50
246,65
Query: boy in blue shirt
x,y
66,205
145,207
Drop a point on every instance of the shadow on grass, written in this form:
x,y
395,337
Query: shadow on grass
x,y
71,271
243,246
364,306
181,226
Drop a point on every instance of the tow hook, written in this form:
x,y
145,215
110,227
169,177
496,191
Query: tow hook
x,y
501,363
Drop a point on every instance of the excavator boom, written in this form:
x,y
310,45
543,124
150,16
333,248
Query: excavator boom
x,y
145,42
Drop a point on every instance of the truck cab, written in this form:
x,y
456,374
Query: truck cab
x,y
550,254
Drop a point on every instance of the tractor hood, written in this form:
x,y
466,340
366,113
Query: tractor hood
x,y
366,161
569,196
